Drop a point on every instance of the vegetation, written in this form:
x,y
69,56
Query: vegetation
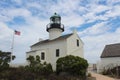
x,y
43,71
37,67
73,65
89,75
34,71
113,72
5,58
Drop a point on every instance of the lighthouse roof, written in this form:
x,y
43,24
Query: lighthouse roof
x,y
55,15
47,40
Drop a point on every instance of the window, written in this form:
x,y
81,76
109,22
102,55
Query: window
x,y
57,20
77,42
57,52
42,55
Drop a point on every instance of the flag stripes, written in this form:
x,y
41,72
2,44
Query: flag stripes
x,y
17,32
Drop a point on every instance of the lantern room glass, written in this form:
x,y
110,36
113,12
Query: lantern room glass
x,y
55,20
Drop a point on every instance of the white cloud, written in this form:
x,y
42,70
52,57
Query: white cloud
x,y
65,6
118,30
18,1
73,15
96,29
30,32
73,20
4,30
110,11
94,45
100,8
114,12
112,2
9,14
5,37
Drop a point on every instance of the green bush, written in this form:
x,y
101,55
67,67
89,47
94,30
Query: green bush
x,y
5,58
73,65
89,75
37,67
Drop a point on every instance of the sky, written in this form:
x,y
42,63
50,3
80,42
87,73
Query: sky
x,y
97,23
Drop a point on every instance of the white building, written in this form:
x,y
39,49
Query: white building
x,y
57,45
110,57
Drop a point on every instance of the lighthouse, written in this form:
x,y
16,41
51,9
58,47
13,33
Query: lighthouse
x,y
57,45
55,28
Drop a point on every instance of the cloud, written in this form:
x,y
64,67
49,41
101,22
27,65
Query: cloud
x,y
4,30
94,45
73,21
5,34
35,16
96,29
8,14
114,12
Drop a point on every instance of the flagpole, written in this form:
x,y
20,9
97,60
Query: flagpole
x,y
12,46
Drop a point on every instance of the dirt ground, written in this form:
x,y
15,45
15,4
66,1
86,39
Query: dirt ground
x,y
102,77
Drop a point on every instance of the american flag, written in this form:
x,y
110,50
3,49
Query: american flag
x,y
17,32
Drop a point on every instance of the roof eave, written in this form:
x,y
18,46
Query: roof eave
x,y
108,56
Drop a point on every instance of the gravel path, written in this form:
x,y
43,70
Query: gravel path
x,y
102,77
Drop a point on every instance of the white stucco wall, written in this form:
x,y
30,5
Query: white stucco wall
x,y
54,33
32,53
106,63
50,51
66,46
39,51
72,48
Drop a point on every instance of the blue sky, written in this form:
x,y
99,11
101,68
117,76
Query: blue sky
x,y
97,23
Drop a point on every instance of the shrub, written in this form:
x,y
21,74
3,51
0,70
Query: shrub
x,y
20,74
37,67
73,65
89,75
114,72
5,58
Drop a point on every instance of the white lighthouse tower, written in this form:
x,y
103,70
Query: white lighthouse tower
x,y
57,45
55,28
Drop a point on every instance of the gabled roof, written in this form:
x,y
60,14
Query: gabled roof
x,y
112,50
47,40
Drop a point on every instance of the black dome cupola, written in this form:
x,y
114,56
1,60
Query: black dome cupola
x,y
55,19
55,22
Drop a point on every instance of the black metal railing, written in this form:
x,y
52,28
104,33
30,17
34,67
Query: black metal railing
x,y
55,25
